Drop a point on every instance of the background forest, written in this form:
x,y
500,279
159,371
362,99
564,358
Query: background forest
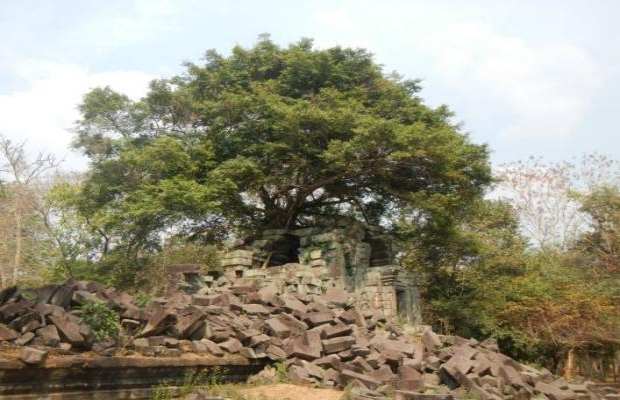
x,y
278,137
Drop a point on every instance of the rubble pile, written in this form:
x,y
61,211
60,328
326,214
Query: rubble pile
x,y
319,339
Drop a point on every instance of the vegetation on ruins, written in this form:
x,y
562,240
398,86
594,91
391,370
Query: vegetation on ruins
x,y
273,137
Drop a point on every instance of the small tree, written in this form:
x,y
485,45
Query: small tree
x,y
542,194
22,198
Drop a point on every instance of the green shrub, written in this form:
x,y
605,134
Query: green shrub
x,y
102,319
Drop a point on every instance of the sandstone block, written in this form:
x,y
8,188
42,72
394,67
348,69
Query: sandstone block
x,y
31,355
232,345
277,328
337,344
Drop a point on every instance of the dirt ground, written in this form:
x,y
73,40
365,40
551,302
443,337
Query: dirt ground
x,y
285,391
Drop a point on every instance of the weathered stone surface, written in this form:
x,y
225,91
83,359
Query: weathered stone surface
x,y
7,334
353,316
158,322
232,345
213,347
319,318
255,309
10,311
31,355
25,339
277,328
406,395
296,348
404,348
299,376
191,326
431,340
68,331
336,330
275,353
367,380
259,340
337,344
553,392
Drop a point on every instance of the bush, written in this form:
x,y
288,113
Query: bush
x,y
102,319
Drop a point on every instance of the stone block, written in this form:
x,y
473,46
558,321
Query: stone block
x,y
255,309
191,326
232,345
407,395
68,331
383,374
299,376
553,392
353,316
246,334
337,344
431,341
160,320
275,353
336,330
277,328
407,349
296,348
7,334
212,347
31,355
367,380
25,339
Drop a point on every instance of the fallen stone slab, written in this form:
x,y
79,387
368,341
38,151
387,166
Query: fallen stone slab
x,y
337,344
255,309
7,334
404,348
213,347
158,322
431,341
31,355
232,345
297,349
68,331
336,330
367,380
277,328
406,395
319,318
299,376
553,392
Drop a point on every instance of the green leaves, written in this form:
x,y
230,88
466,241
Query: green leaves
x,y
271,137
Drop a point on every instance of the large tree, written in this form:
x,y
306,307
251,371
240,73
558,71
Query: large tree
x,y
272,137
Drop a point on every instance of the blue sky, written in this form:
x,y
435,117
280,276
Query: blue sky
x,y
526,77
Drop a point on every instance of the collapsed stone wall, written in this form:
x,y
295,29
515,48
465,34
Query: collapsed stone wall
x,y
322,339
351,255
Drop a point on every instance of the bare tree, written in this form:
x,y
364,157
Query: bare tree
x,y
543,195
22,196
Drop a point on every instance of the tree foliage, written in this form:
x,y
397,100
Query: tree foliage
x,y
25,245
270,137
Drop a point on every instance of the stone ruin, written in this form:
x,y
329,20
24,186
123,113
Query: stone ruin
x,y
325,304
351,255
46,350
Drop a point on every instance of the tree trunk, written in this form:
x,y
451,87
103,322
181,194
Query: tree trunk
x,y
18,245
569,368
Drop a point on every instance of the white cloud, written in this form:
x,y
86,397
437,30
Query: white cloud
x,y
42,114
541,89
129,28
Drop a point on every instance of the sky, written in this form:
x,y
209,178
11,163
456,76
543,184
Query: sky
x,y
528,78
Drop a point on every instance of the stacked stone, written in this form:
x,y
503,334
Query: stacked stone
x,y
323,339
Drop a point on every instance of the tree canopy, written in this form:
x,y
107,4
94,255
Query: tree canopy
x,y
272,137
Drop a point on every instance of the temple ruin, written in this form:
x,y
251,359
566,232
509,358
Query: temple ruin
x,y
350,255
